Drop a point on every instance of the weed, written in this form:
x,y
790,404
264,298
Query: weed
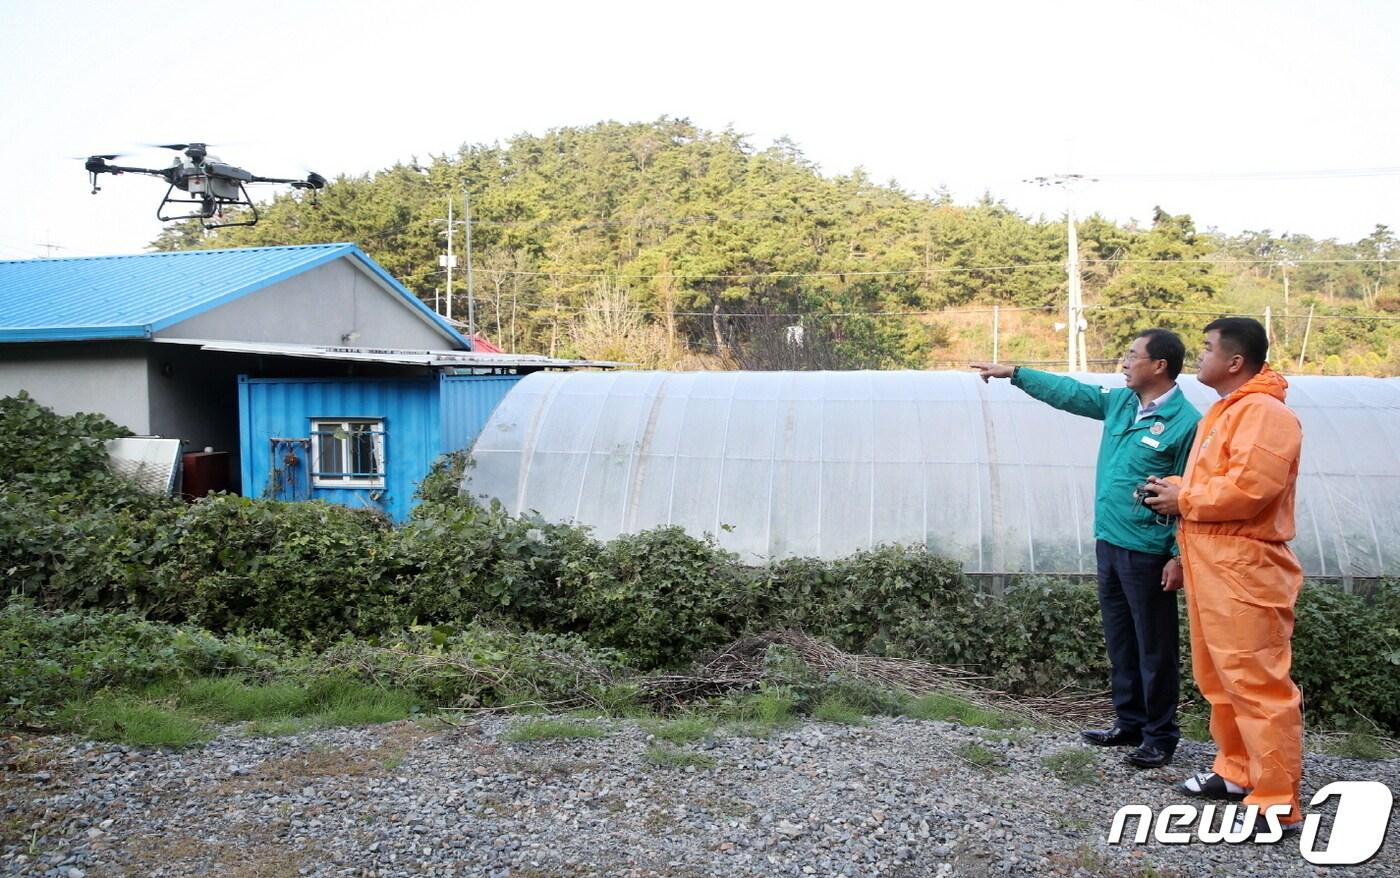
x,y
1075,767
1195,725
976,754
229,699
759,714
619,700
663,756
124,717
547,729
279,728
951,708
682,730
835,709
326,702
1360,745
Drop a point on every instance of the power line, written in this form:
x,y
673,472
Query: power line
x,y
619,275
1320,174
552,308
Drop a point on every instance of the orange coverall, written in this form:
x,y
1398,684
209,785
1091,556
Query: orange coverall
x,y
1242,581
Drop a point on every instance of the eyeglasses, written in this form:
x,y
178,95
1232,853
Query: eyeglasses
x,y
1130,358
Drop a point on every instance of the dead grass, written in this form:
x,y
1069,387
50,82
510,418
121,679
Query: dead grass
x,y
395,743
254,853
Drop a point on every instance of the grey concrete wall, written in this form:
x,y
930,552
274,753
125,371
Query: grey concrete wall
x,y
194,397
106,377
319,307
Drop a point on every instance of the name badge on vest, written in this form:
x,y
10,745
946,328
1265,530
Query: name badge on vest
x,y
1149,441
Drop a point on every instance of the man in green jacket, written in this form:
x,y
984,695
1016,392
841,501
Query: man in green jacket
x,y
1148,429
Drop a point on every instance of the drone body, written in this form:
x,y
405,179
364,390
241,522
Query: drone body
x,y
211,184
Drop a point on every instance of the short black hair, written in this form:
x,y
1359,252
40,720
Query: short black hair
x,y
1244,336
1163,344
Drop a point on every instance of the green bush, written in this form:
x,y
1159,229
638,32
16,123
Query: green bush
x,y
1346,655
478,665
455,560
43,451
73,536
442,485
311,570
1048,635
48,659
860,602
662,596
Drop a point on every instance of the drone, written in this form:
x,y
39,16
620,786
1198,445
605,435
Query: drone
x,y
210,183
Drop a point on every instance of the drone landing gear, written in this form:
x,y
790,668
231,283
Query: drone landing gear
x,y
209,208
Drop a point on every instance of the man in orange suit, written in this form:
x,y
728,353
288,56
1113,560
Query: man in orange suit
x,y
1235,502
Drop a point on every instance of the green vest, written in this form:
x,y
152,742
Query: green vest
x,y
1129,452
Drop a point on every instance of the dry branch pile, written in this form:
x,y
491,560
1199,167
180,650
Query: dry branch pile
x,y
559,681
742,665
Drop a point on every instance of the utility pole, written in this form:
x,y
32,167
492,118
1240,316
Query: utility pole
x,y
1307,331
1076,355
450,262
471,286
996,334
1286,266
447,260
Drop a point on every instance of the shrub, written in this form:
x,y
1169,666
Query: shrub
x,y
662,596
1346,655
478,665
52,453
48,659
71,534
311,570
1047,635
860,602
457,559
443,483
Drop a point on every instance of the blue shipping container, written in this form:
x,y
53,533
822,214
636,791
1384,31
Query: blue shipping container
x,y
359,442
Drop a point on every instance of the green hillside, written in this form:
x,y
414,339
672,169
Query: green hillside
x,y
673,247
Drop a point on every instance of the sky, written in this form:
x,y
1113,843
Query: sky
x,y
1241,114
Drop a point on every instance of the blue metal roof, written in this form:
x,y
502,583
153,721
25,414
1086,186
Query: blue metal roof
x,y
137,295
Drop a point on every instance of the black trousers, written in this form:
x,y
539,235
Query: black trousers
x,y
1140,628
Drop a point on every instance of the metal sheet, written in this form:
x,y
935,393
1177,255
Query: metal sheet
x,y
152,463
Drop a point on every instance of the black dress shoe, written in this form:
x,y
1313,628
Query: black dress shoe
x,y
1114,737
1148,756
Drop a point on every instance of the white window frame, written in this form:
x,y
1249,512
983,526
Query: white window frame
x,y
340,429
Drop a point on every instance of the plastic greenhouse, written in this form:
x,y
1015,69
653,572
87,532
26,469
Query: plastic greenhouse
x,y
822,464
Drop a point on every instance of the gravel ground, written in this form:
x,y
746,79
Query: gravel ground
x,y
896,797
